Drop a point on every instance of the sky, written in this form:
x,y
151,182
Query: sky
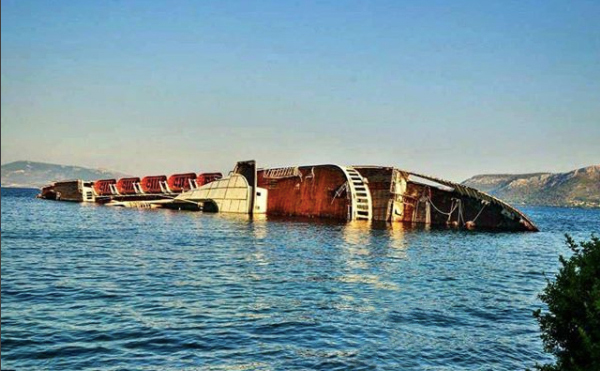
x,y
447,88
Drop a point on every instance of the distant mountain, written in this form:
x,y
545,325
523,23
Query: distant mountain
x,y
579,187
37,174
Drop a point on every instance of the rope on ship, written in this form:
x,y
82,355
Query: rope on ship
x,y
340,190
456,204
452,207
461,217
480,211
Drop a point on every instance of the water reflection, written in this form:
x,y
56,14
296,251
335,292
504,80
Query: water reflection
x,y
357,232
121,288
366,251
397,239
259,226
363,236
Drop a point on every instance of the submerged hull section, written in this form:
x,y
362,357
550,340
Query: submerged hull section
x,y
69,190
228,195
387,186
402,196
371,193
428,205
384,194
309,191
235,194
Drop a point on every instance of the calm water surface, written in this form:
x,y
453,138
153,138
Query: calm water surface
x,y
92,287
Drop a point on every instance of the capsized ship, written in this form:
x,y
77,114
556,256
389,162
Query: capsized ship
x,y
370,193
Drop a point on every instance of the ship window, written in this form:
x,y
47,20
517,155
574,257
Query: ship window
x,y
258,193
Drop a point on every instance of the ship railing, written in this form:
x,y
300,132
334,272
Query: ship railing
x,y
193,184
137,187
113,189
164,187
284,172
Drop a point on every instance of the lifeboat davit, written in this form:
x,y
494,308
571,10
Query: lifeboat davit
x,y
102,187
152,184
126,186
206,178
181,182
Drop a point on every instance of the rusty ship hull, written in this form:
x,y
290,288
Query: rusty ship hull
x,y
384,194
369,193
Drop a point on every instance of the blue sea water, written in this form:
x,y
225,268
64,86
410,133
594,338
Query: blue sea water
x,y
93,287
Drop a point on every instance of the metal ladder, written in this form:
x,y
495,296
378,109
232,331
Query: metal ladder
x,y
362,207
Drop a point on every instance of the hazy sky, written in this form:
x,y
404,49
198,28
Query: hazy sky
x,y
448,88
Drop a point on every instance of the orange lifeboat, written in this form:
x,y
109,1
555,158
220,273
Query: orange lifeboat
x,y
152,184
206,178
125,186
102,186
181,182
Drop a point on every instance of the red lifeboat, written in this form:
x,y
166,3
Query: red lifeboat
x,y
102,186
206,178
152,184
181,182
125,186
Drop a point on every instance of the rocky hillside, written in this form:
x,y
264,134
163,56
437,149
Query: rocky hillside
x,y
27,174
579,187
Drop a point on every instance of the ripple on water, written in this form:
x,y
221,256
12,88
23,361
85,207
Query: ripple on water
x,y
87,287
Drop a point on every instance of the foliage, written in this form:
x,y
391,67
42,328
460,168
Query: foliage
x,y
571,326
